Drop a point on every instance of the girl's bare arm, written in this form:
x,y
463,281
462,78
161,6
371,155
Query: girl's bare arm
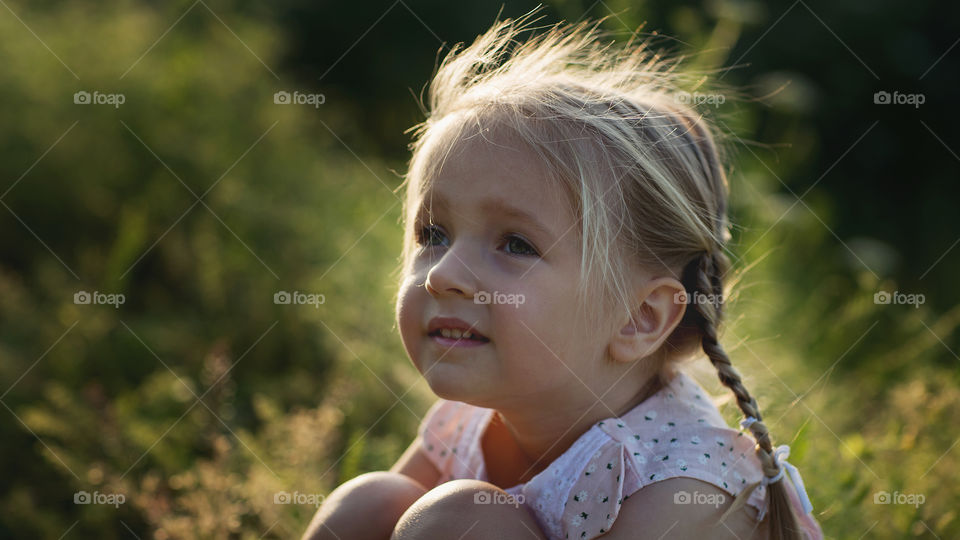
x,y
415,464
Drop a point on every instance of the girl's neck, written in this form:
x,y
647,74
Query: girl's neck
x,y
509,458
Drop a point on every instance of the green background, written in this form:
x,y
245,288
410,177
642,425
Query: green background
x,y
199,399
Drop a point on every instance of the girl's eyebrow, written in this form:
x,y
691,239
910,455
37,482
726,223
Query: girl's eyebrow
x,y
497,205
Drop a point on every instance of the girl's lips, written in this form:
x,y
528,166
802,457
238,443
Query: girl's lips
x,y
451,342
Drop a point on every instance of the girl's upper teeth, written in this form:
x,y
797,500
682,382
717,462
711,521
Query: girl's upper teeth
x,y
455,333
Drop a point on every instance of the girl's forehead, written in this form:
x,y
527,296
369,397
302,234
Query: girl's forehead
x,y
467,133
487,165
480,155
488,171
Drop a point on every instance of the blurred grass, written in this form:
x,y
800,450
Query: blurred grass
x,y
298,399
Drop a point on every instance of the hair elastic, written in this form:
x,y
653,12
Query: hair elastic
x,y
780,456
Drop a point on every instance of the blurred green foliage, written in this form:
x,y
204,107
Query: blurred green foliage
x,y
199,198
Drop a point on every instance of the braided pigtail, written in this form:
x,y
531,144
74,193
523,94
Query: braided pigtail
x,y
702,279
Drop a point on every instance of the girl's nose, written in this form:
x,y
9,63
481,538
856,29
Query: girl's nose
x,y
451,275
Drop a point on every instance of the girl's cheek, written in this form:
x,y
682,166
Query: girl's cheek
x,y
515,321
408,311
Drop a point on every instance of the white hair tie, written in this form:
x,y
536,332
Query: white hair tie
x,y
780,456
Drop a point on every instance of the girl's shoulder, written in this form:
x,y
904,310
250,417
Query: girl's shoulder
x,y
679,432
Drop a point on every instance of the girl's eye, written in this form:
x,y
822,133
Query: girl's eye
x,y
431,235
518,246
428,234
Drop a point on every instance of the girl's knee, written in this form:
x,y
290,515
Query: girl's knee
x,y
466,509
367,506
383,485
458,496
387,492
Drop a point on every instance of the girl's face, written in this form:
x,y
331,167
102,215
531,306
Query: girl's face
x,y
500,252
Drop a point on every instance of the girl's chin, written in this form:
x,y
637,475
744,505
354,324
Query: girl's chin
x,y
453,382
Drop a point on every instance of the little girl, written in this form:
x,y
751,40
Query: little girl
x,y
565,224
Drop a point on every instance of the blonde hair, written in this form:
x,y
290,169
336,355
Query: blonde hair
x,y
638,165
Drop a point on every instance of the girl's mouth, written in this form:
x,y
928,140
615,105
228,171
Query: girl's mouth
x,y
448,337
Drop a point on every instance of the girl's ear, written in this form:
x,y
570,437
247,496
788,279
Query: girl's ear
x,y
662,305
